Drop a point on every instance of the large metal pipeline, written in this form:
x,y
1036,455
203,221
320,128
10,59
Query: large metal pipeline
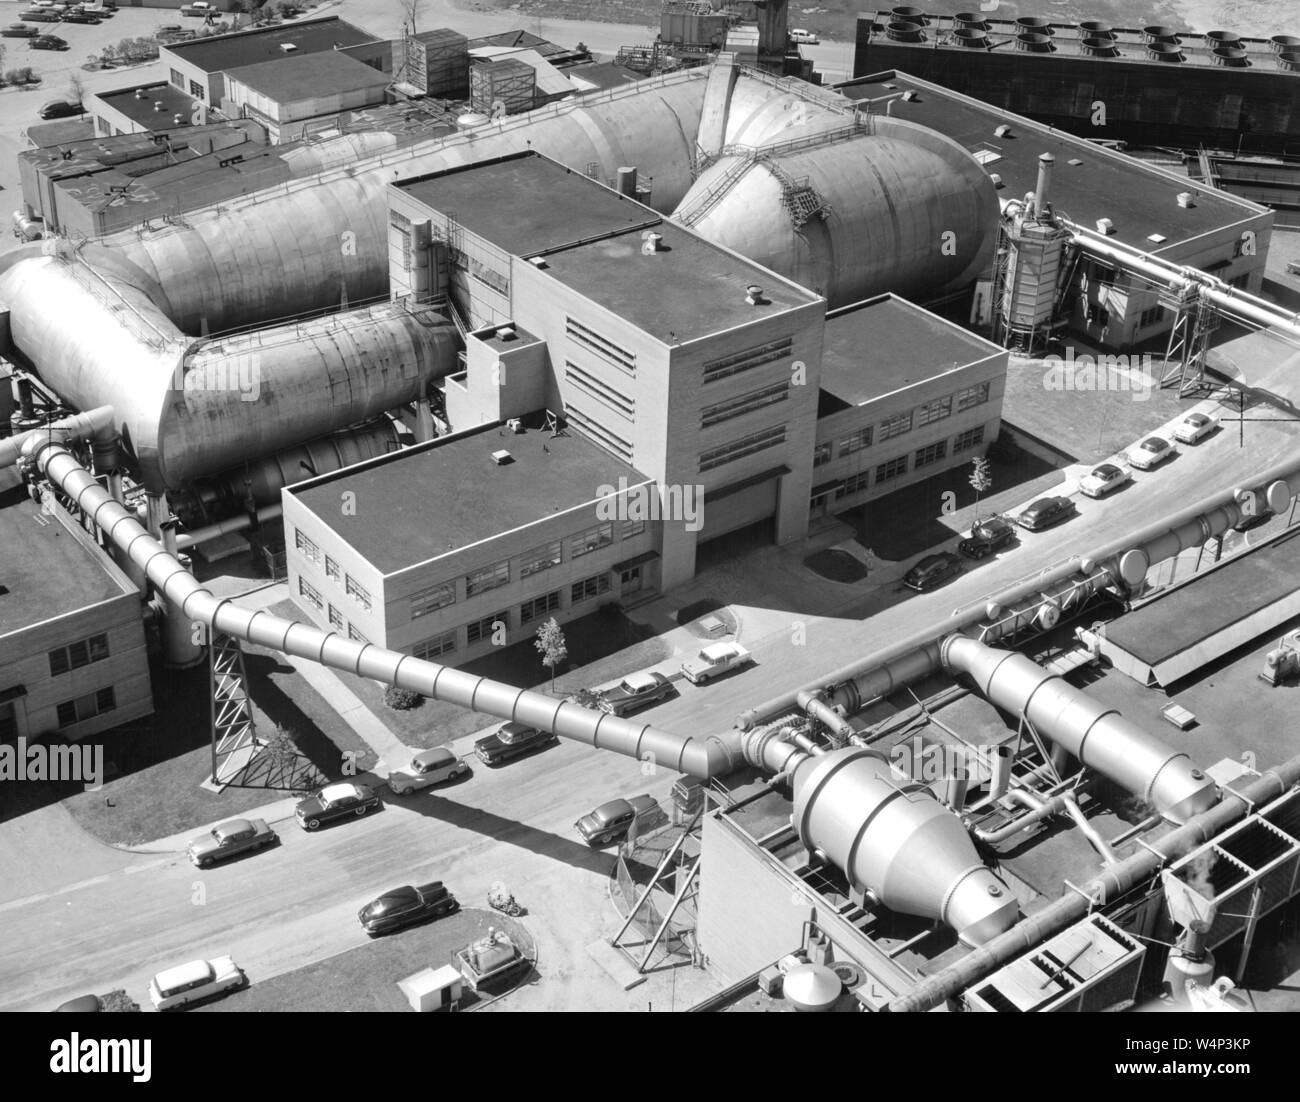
x,y
189,601
1110,885
94,424
1098,736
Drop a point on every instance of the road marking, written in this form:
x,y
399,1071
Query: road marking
x,y
146,867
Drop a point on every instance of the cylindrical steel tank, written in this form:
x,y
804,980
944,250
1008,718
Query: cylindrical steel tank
x,y
895,199
894,839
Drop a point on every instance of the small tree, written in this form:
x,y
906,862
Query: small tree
x,y
981,480
552,647
402,700
77,90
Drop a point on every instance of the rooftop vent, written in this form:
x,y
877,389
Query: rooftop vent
x,y
502,457
1232,56
158,105
1033,24
1002,131
1160,33
972,36
1076,161
515,425
909,15
140,94
1156,238
908,97
970,21
1032,42
178,119
901,31
650,242
287,47
1092,28
1222,38
1099,45
1186,199
1289,60
997,180
538,262
1164,51
507,333
1282,43
1105,227
754,295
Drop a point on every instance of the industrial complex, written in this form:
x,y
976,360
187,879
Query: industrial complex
x,y
343,380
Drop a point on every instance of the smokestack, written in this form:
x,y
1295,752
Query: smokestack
x,y
1045,163
627,182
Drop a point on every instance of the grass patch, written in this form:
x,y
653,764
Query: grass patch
x,y
838,566
365,978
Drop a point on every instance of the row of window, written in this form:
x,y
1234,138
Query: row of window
x,y
750,358
600,346
530,611
76,655
746,445
594,431
311,550
900,423
744,403
600,390
899,465
87,707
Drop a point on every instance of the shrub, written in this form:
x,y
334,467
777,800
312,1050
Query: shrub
x,y
402,700
119,1002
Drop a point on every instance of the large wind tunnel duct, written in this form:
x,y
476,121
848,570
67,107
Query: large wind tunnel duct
x,y
1098,736
187,599
898,842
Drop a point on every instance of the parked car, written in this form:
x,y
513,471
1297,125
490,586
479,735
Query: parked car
x,y
79,17
47,42
60,109
714,660
1045,512
609,822
1101,480
83,1004
634,692
405,905
510,740
986,537
200,979
804,38
1151,452
230,839
427,768
933,570
19,30
333,802
40,15
1195,427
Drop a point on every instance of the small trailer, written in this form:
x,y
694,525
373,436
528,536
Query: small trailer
x,y
488,959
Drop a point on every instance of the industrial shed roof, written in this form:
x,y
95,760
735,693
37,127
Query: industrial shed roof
x,y
292,79
222,52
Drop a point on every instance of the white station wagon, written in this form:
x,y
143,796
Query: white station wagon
x,y
200,979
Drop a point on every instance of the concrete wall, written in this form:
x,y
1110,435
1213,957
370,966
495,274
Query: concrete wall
x,y
212,85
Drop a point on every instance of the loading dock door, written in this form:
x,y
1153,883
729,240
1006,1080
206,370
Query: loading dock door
x,y
741,504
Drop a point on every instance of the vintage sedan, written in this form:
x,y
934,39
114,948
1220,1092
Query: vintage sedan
x,y
1194,428
429,767
987,536
609,822
334,802
193,982
634,692
510,740
1045,512
1101,480
405,905
933,570
227,840
1153,451
714,660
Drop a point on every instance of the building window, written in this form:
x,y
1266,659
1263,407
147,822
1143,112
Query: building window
x,y
489,277
593,539
306,546
431,599
306,589
178,79
1101,316
539,607
336,618
1241,282
86,707
600,390
738,449
972,396
487,577
358,592
822,454
931,454
852,485
855,442
896,425
934,411
588,588
356,636
750,358
435,647
332,569
971,438
589,427
76,655
894,468
541,558
197,90
632,528
486,627
603,347
744,403
1150,316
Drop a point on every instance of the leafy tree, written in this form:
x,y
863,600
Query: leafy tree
x,y
552,647
981,480
77,90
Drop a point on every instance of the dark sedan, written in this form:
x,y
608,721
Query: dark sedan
x,y
60,109
406,905
1045,512
986,537
509,741
333,802
47,42
932,571
634,692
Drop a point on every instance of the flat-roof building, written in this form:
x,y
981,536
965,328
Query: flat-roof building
x,y
142,108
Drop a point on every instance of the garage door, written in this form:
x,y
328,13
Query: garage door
x,y
726,510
